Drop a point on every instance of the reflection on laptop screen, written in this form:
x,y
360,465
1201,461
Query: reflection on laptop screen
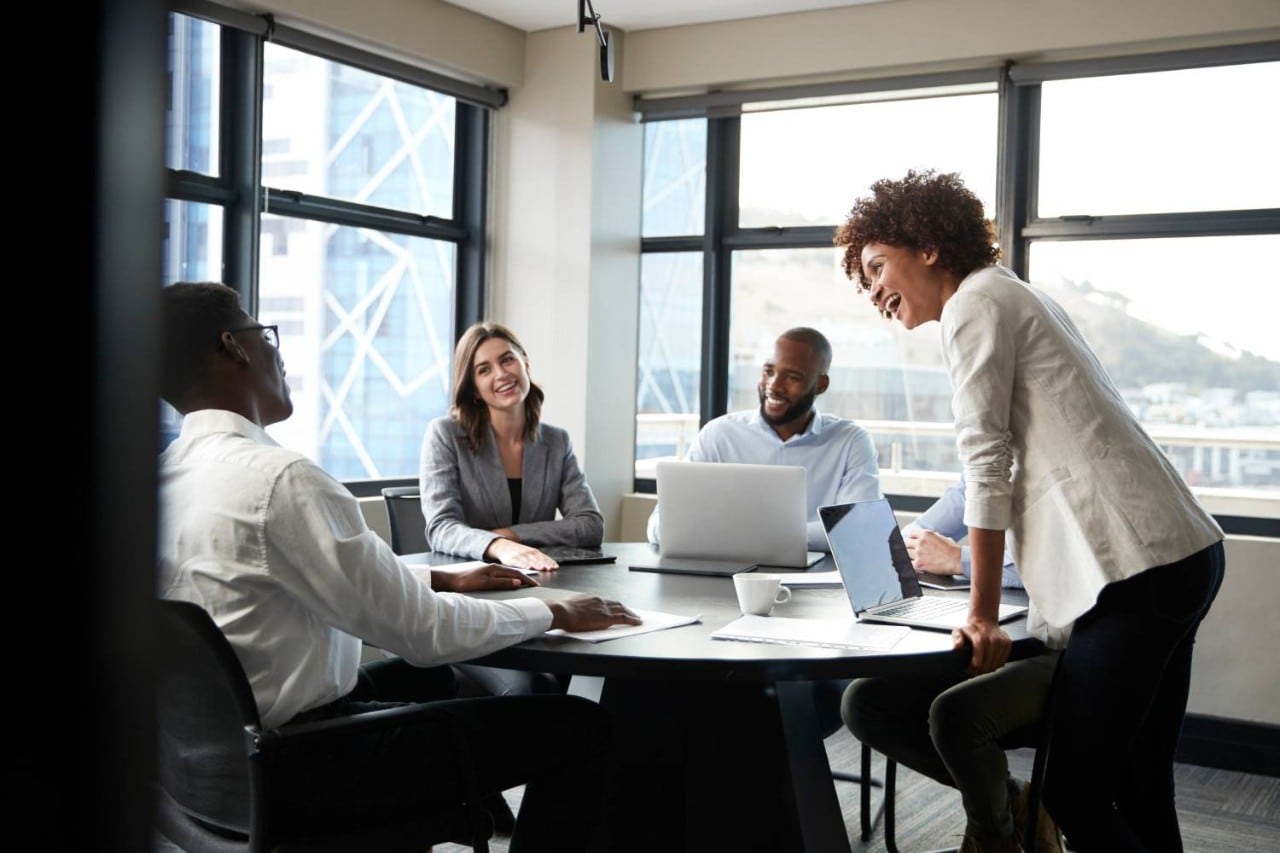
x,y
870,553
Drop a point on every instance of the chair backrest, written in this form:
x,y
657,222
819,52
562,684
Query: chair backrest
x,y
204,702
404,518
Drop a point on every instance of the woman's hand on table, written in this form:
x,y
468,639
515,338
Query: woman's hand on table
x,y
508,552
988,642
590,613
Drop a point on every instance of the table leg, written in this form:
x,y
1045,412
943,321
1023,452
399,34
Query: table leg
x,y
705,766
817,806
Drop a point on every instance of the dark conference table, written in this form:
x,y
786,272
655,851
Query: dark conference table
x,y
716,744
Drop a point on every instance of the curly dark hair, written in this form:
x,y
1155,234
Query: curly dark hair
x,y
923,211
467,409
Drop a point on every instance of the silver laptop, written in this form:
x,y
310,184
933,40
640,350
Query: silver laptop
x,y
732,511
876,570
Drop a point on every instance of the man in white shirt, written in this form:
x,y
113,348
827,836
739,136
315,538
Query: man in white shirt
x,y
279,554
933,540
838,456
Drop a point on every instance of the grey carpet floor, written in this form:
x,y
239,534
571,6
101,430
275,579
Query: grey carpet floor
x,y
1220,811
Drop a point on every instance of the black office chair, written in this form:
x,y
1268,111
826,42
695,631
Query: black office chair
x,y
219,773
404,518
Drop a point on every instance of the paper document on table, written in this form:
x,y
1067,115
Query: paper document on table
x,y
828,633
653,621
424,572
831,578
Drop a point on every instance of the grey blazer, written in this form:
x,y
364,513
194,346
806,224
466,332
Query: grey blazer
x,y
465,495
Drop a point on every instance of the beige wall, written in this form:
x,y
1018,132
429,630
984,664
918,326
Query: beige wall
x,y
914,35
566,249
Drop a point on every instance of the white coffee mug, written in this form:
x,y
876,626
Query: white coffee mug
x,y
757,594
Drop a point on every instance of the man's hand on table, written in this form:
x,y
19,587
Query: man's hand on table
x,y
590,613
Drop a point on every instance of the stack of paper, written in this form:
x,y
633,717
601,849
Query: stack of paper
x,y
828,633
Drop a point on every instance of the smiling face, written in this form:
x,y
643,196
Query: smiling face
x,y
906,284
500,374
790,380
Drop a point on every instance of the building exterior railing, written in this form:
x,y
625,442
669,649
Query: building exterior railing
x,y
1234,466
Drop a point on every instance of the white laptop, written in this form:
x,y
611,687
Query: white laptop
x,y
727,511
877,574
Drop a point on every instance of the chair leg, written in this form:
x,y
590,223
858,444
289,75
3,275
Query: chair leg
x,y
866,782
890,783
1030,839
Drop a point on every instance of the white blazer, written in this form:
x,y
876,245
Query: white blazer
x,y
1053,454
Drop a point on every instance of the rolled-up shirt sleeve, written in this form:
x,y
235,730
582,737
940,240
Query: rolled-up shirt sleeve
x,y
323,553
981,359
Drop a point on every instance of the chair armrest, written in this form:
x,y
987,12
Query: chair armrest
x,y
353,724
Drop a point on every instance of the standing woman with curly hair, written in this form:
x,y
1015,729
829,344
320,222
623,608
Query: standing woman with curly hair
x,y
1116,555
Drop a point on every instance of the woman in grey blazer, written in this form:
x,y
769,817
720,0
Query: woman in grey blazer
x,y
1119,560
494,477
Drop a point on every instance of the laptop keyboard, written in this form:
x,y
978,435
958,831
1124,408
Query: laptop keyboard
x,y
925,606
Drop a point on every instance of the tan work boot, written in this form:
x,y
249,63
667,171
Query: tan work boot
x,y
1048,837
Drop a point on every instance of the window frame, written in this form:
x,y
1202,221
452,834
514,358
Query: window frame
x,y
1018,88
237,187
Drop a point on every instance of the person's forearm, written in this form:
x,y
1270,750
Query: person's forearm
x,y
986,553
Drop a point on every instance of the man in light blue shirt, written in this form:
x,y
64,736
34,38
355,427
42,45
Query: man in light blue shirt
x,y
933,540
838,456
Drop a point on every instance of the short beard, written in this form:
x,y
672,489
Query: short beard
x,y
795,411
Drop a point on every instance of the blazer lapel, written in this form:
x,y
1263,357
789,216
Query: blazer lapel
x,y
534,474
493,482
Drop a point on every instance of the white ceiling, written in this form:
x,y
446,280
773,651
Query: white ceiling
x,y
632,15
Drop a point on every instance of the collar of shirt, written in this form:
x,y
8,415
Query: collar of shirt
x,y
811,432
212,421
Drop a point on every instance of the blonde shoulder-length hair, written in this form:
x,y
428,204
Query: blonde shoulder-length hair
x,y
468,409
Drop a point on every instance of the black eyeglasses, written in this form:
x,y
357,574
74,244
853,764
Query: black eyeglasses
x,y
270,334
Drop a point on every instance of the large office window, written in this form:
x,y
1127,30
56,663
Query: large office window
x,y
343,196
1152,225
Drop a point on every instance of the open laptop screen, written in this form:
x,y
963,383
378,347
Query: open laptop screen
x,y
870,553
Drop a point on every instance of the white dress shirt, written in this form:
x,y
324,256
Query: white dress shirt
x,y
838,456
279,554
1053,454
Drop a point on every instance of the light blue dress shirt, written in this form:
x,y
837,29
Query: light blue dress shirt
x,y
946,516
838,456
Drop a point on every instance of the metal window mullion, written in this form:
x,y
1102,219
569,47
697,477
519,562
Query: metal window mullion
x,y
800,237
185,185
721,219
1149,225
672,244
241,160
470,210
339,212
1017,169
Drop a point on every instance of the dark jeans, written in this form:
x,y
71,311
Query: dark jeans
x,y
955,729
1118,707
554,745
